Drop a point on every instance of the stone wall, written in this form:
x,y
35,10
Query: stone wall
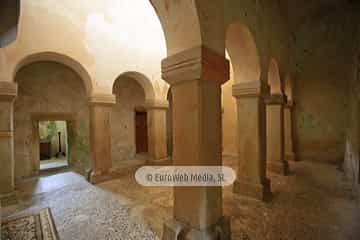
x,y
352,147
324,69
129,95
50,88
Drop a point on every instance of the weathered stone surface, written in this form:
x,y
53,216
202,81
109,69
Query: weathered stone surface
x,y
50,90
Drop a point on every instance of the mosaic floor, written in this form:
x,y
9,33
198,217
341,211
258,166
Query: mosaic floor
x,y
314,203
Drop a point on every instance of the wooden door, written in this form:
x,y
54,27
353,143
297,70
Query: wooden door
x,y
141,132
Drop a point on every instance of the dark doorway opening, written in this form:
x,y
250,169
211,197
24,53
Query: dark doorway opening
x,y
141,132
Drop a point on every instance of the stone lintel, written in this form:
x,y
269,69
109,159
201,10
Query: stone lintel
x,y
102,99
247,89
198,63
8,91
275,99
156,104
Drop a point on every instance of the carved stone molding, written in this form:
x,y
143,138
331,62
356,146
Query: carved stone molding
x,y
195,64
275,99
156,104
6,134
8,91
102,99
247,89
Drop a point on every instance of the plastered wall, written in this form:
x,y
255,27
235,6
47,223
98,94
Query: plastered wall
x,y
129,96
352,148
104,37
47,87
324,70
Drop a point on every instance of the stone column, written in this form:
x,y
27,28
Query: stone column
x,y
100,137
8,92
289,141
251,178
195,76
275,150
157,132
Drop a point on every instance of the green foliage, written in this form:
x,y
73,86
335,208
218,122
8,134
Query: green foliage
x,y
51,130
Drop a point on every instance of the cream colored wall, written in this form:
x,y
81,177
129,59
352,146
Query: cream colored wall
x,y
107,37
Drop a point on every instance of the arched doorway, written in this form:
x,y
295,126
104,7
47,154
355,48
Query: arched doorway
x,y
275,151
248,93
129,119
53,94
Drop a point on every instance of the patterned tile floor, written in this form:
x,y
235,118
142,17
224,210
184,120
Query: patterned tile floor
x,y
313,203
81,211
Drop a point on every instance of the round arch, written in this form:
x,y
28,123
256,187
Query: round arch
x,y
176,19
58,58
274,77
144,82
241,47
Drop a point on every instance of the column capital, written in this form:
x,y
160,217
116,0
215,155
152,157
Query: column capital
x,y
198,63
157,104
8,91
6,134
275,99
102,99
247,89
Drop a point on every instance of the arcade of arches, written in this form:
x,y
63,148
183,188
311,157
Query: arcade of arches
x,y
268,88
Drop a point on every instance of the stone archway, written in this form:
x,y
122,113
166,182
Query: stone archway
x,y
51,91
274,78
58,58
247,90
243,53
144,82
275,122
130,99
195,68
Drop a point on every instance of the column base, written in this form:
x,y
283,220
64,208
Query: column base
x,y
258,191
6,191
279,167
174,230
95,178
160,162
113,173
290,156
8,195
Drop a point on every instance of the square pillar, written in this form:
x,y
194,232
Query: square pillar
x,y
8,92
195,76
251,178
289,136
157,132
275,150
100,137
